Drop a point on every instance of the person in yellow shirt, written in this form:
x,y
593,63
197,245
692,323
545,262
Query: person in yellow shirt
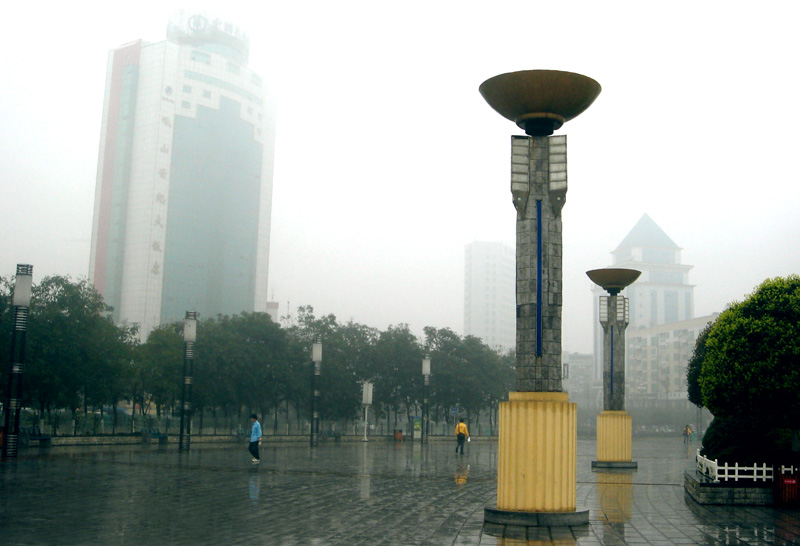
x,y
461,435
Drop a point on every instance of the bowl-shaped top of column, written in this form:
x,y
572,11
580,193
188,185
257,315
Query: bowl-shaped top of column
x,y
540,101
613,280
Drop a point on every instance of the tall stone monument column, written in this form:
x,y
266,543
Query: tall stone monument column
x,y
614,424
539,189
537,446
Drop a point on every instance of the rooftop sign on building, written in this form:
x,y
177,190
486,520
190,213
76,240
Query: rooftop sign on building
x,y
208,32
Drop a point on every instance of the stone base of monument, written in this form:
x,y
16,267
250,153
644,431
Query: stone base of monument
x,y
491,514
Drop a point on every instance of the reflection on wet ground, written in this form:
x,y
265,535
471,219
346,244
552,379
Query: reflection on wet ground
x,y
349,493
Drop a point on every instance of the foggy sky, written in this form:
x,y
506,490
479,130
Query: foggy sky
x,y
388,161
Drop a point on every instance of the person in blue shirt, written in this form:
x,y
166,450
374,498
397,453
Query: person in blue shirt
x,y
255,438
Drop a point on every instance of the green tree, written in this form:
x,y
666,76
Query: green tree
x,y
398,372
297,379
113,349
158,372
260,348
75,355
345,358
750,376
215,362
695,366
72,345
446,364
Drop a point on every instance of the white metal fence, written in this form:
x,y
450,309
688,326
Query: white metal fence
x,y
725,472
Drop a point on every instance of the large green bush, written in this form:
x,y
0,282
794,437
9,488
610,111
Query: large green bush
x,y
746,440
750,376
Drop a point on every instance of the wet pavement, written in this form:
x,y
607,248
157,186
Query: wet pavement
x,y
376,493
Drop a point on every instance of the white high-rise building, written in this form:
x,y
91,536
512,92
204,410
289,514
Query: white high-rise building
x,y
489,294
184,179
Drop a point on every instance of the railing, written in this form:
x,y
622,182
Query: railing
x,y
725,472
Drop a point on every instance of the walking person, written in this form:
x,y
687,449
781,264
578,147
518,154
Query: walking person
x,y
255,438
461,435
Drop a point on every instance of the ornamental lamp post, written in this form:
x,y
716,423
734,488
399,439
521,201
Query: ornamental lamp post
x,y
614,424
21,301
316,359
366,401
189,338
426,382
537,458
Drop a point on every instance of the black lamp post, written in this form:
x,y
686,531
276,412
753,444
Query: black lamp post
x,y
316,359
189,337
21,302
426,377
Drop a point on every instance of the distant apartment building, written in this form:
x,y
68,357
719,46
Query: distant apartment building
x,y
661,315
184,179
656,362
490,294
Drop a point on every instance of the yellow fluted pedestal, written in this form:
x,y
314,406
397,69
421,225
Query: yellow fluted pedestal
x,y
536,462
614,441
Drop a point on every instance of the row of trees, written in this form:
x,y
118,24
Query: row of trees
x,y
746,370
78,359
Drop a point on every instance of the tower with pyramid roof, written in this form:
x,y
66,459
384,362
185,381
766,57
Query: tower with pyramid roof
x,y
662,294
663,329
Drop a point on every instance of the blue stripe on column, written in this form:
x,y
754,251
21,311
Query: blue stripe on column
x,y
539,277
611,378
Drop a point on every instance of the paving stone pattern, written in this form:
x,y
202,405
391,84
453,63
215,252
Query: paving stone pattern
x,y
378,493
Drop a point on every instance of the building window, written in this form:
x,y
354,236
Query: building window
x,y
666,277
201,57
187,88
658,256
222,84
233,68
186,104
687,305
207,94
670,307
653,309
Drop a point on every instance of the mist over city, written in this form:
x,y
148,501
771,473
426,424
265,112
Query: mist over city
x,y
388,162
405,273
